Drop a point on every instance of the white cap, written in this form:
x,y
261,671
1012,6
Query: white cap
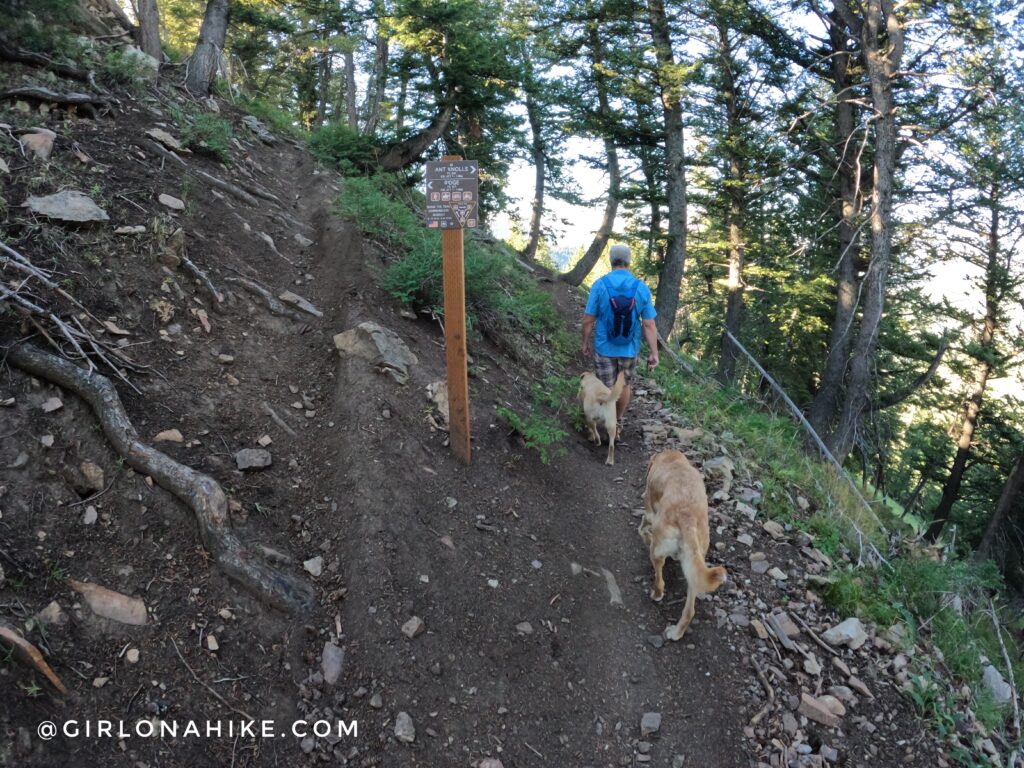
x,y
619,254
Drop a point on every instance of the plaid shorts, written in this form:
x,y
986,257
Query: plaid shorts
x,y
607,368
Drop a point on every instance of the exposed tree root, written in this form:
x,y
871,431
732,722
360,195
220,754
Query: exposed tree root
x,y
89,103
189,266
21,56
228,187
28,654
201,493
272,302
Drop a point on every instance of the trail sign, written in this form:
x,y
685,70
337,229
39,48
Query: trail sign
x,y
451,206
452,194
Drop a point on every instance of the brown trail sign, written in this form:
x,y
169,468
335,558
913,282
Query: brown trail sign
x,y
452,193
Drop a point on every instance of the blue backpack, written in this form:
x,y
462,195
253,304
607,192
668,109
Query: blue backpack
x,y
620,324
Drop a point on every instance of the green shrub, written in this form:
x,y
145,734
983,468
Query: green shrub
x,y
119,68
278,118
210,134
540,432
339,145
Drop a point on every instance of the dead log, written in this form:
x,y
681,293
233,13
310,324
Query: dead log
x,y
201,493
90,103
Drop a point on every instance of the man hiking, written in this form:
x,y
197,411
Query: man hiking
x,y
619,305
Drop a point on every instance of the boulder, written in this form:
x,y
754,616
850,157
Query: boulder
x,y
997,686
146,65
382,347
69,205
263,133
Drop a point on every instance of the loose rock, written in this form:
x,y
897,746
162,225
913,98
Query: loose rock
x,y
69,205
171,202
850,633
650,723
818,711
331,663
110,604
253,458
414,627
405,731
382,347
314,566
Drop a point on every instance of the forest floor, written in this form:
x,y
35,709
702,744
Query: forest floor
x,y
540,646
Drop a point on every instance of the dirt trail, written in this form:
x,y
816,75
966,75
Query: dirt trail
x,y
403,530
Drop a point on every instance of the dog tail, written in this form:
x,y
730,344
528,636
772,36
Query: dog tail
x,y
615,391
698,575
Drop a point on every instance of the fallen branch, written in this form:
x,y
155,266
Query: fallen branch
x,y
38,93
1009,668
278,420
28,654
272,302
821,643
199,492
216,695
763,679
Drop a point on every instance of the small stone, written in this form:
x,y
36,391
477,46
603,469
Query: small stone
x,y
136,230
778,574
834,705
850,633
774,529
818,711
450,502
759,630
829,754
997,685
52,404
39,141
377,701
524,628
414,627
303,242
308,744
490,762
745,539
52,615
89,516
644,747
226,614
841,666
171,202
492,583
789,723
314,566
99,682
650,723
226,359
858,685
331,663
812,667
760,566
164,138
405,731
132,657
253,458
264,441
47,441
211,643
93,474
656,641
169,436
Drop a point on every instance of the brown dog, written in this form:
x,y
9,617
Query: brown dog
x,y
599,407
675,525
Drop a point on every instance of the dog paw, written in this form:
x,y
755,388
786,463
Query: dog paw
x,y
657,596
610,461
672,632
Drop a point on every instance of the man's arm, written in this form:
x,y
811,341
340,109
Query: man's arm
x,y
587,347
651,336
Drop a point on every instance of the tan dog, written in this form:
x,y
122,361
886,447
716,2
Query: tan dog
x,y
599,407
675,525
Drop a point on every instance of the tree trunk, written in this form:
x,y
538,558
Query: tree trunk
x,y
206,58
1003,541
671,276
350,91
379,84
993,278
585,265
404,152
148,33
882,56
736,192
539,176
824,408
324,76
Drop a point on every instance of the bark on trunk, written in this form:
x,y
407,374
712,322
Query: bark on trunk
x,y
824,408
148,33
671,276
324,77
539,177
350,91
1003,541
882,42
206,58
993,279
736,192
379,83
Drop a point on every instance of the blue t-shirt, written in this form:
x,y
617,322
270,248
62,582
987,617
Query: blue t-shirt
x,y
618,281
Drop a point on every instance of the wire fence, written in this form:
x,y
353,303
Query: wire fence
x,y
867,551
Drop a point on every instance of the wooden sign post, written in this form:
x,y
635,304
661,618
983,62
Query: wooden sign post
x,y
451,206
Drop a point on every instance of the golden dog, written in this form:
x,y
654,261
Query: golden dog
x,y
675,525
599,407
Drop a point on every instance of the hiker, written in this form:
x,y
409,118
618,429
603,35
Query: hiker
x,y
619,305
